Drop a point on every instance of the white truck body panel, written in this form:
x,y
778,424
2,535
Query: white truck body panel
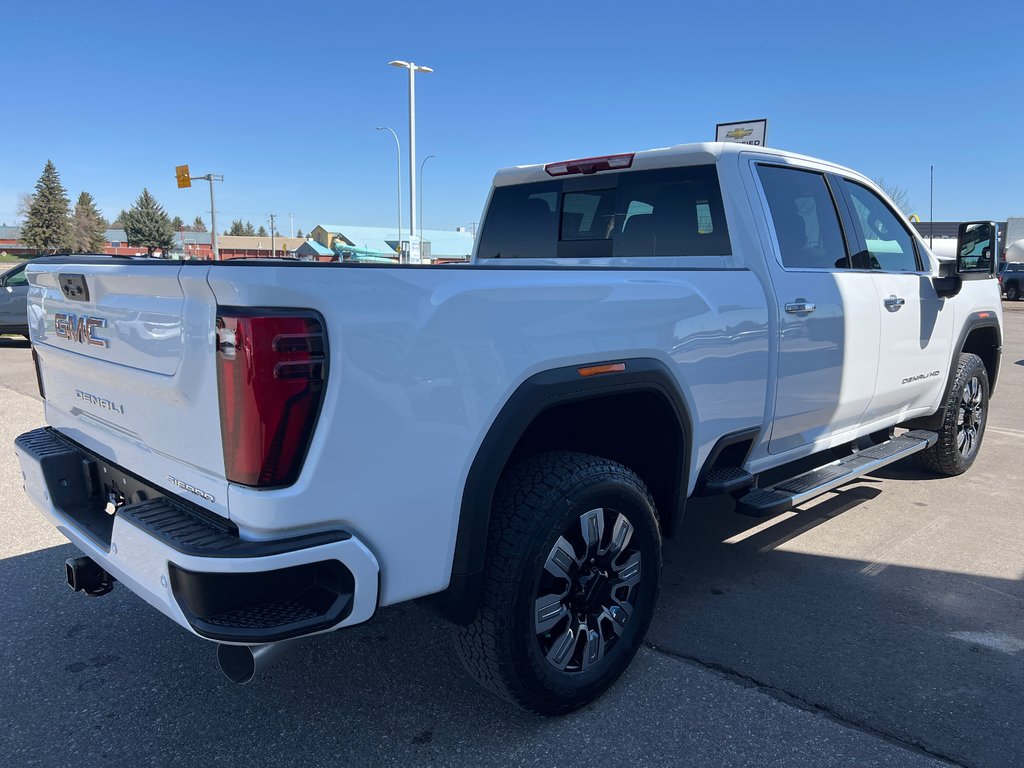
x,y
422,360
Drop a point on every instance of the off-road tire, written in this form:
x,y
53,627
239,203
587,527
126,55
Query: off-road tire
x,y
946,456
535,503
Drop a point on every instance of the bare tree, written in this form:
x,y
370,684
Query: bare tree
x,y
25,200
897,194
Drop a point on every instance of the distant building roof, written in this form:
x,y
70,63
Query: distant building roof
x,y
936,228
382,240
443,242
250,243
312,247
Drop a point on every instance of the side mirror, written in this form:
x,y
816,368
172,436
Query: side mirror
x,y
975,246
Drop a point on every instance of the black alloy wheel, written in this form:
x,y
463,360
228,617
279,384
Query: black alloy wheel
x,y
587,591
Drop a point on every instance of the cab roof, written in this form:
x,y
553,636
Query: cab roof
x,y
667,157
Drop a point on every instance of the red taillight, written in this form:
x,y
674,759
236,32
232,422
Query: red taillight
x,y
271,371
590,165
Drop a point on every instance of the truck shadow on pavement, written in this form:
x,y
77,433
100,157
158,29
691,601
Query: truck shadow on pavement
x,y
14,342
871,645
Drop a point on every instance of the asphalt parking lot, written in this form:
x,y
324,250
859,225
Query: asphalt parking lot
x,y
884,625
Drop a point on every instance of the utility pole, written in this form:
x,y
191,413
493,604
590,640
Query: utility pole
x,y
212,177
291,226
273,240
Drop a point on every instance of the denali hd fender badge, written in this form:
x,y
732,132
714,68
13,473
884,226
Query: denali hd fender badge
x,y
81,329
190,488
919,377
99,402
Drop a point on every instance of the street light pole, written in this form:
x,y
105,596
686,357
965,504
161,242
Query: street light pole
x,y
421,195
212,177
398,148
413,69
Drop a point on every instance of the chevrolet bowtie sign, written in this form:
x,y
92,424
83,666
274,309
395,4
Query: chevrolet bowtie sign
x,y
749,132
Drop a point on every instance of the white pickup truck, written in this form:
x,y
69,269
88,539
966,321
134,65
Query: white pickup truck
x,y
267,450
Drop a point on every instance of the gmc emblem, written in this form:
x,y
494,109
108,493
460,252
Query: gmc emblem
x,y
81,329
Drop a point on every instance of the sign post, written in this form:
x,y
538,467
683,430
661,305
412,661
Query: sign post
x,y
185,181
753,132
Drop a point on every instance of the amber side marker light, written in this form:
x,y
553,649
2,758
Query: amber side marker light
x,y
983,315
594,370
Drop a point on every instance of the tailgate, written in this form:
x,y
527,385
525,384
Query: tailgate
x,y
126,359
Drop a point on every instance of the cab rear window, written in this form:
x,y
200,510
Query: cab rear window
x,y
664,212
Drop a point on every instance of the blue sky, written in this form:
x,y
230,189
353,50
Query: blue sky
x,y
283,98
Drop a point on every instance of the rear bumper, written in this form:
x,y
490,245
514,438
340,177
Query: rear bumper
x,y
190,565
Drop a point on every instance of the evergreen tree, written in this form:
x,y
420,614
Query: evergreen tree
x,y
237,228
88,226
198,225
261,232
47,226
250,230
177,224
118,223
147,224
299,234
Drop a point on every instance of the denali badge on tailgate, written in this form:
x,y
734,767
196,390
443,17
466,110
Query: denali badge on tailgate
x,y
100,402
81,329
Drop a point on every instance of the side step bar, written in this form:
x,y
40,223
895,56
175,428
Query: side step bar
x,y
783,496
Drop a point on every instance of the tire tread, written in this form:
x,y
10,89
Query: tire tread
x,y
943,458
519,518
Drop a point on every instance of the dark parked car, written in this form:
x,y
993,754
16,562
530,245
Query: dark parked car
x,y
1011,279
14,301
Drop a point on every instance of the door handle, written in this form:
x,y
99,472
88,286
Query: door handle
x,y
799,307
893,303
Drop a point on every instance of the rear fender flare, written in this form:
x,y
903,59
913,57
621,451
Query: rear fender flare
x,y
536,394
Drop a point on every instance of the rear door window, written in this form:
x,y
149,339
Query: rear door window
x,y
521,223
664,212
804,214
